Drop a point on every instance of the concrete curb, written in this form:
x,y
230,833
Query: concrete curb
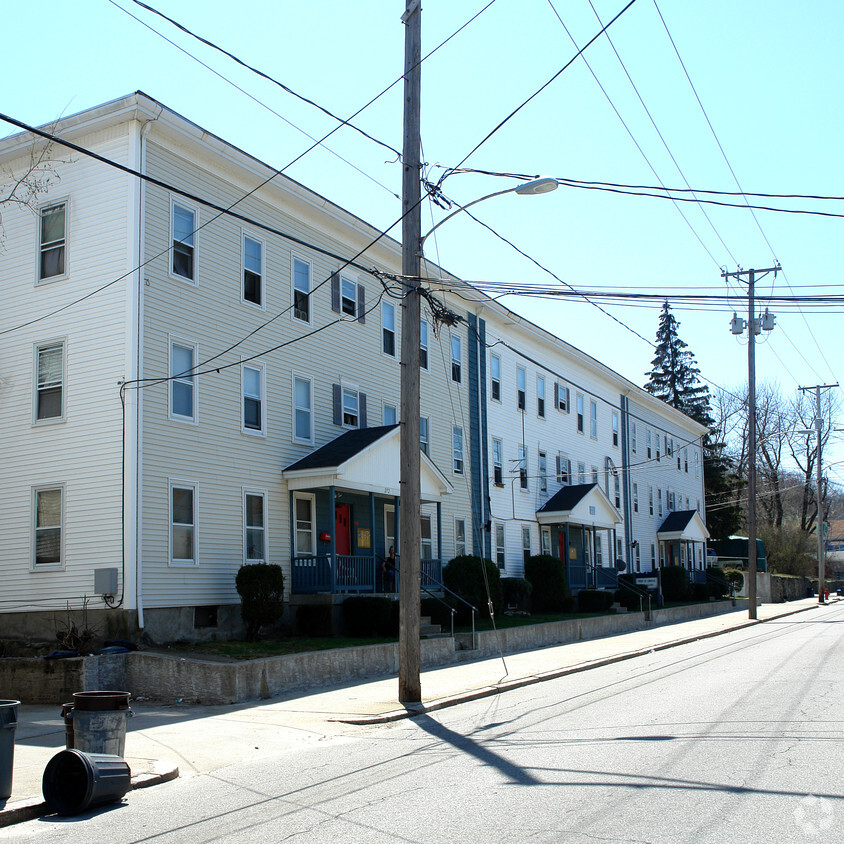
x,y
412,710
29,810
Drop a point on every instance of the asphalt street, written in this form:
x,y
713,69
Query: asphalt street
x,y
731,739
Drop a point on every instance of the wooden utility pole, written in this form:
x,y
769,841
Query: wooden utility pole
x,y
409,526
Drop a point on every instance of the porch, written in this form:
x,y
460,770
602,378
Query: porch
x,y
352,574
682,542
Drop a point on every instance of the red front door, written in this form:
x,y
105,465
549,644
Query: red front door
x,y
342,529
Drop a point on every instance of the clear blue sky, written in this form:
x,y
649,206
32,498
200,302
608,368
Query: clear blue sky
x,y
769,73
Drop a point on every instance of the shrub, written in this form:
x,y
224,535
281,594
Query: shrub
x,y
629,595
464,575
517,592
261,590
594,600
314,620
547,576
367,615
675,583
717,581
735,578
701,591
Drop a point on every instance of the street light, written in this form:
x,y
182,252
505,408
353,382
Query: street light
x,y
545,184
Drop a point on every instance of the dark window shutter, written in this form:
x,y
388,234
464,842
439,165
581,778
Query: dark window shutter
x,y
335,292
362,410
557,395
568,401
337,401
361,304
559,467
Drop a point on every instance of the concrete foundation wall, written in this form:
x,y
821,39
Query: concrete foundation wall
x,y
39,629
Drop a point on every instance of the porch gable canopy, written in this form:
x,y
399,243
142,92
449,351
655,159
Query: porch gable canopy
x,y
579,504
366,460
683,524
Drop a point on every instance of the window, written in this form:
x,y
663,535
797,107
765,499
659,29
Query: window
x,y
523,475
49,385
696,454
594,474
427,548
423,434
521,388
254,521
253,271
563,469
456,358
495,377
669,446
615,428
303,410
545,538
350,408
579,414
599,550
616,491
672,500
649,443
53,241
656,433
540,396
252,384
638,558
182,390
348,297
543,472
650,500
48,511
593,419
301,290
457,447
459,537
635,498
182,523
561,397
653,557
388,328
305,535
659,502
184,242
497,469
526,551
581,472
499,545
389,415
633,437
389,526
348,300
423,344
686,460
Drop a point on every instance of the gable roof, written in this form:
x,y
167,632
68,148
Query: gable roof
x,y
365,460
583,504
683,524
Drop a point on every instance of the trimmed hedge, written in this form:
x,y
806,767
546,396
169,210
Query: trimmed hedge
x,y
261,590
464,575
517,592
367,615
594,600
735,577
547,576
628,597
314,620
714,575
675,583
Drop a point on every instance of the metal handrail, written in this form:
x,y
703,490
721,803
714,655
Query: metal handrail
x,y
642,593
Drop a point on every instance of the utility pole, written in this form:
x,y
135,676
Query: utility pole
x,y
754,326
819,475
410,540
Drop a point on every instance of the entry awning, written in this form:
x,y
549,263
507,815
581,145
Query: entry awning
x,y
683,524
579,504
365,460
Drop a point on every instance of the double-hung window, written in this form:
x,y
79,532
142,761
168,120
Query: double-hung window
x,y
497,463
253,271
633,437
389,415
616,491
252,383
563,470
650,500
540,396
495,377
659,502
615,428
457,441
49,384
521,388
184,242
456,359
348,292
635,498
423,344
581,472
579,413
543,472
593,419
254,527
304,507
561,397
349,406
526,549
348,297
48,513
303,429
351,416
423,435
459,537
182,387
648,444
523,474
53,241
182,523
301,290
499,544
388,328
426,550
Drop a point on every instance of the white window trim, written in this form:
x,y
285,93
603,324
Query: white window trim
x,y
462,471
540,379
593,419
293,258
262,305
59,566
294,407
456,538
264,496
62,200
347,386
394,330
176,417
389,539
307,496
458,360
425,443
261,368
188,206
493,379
174,483
423,344
384,406
521,388
53,420
580,413
522,462
353,280
499,526
497,462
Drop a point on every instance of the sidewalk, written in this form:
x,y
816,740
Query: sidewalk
x,y
164,739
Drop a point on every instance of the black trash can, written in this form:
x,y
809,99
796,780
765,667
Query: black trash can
x,y
8,723
74,781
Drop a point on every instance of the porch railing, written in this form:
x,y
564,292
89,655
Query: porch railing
x,y
353,573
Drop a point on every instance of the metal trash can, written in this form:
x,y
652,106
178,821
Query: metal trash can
x,y
74,781
8,724
99,721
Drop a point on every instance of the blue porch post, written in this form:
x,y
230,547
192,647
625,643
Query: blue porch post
x,y
372,537
333,543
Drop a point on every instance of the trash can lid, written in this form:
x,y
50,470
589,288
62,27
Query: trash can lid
x,y
99,701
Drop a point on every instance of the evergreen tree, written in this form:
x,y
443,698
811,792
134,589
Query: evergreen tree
x,y
675,378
